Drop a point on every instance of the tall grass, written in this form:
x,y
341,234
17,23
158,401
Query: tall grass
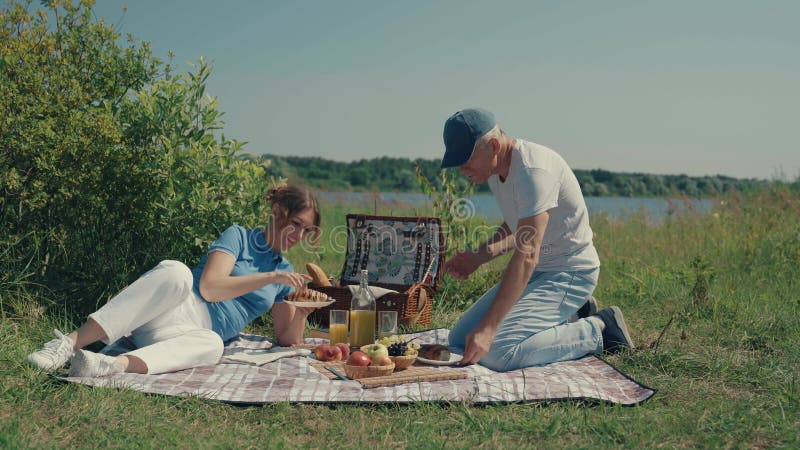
x,y
712,301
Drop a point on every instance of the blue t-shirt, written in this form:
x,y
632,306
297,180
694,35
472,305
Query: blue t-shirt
x,y
252,254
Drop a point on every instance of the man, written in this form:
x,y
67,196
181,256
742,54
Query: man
x,y
525,319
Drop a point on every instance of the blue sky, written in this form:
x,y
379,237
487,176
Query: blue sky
x,y
696,87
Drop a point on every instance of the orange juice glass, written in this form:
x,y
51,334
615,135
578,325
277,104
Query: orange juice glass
x,y
338,326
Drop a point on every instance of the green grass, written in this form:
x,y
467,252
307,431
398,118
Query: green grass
x,y
712,300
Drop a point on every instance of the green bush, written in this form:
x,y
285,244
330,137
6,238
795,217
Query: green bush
x,y
109,161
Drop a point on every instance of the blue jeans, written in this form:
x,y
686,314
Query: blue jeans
x,y
536,330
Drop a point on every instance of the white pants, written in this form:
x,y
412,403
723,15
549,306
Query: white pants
x,y
169,322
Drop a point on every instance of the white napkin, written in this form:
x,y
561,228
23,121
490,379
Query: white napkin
x,y
378,292
260,357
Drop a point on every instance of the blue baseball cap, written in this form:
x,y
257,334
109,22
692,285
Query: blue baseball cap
x,y
461,131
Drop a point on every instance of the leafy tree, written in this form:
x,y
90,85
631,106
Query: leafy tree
x,y
602,176
406,180
109,161
358,176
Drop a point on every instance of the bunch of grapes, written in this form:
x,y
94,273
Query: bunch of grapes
x,y
398,346
398,349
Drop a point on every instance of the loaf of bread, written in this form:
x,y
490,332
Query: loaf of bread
x,y
435,352
318,277
307,295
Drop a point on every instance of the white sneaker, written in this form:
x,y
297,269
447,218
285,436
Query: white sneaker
x,y
54,355
89,364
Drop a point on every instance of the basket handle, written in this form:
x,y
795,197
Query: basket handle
x,y
421,302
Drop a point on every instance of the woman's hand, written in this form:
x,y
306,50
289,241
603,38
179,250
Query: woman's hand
x,y
293,279
462,264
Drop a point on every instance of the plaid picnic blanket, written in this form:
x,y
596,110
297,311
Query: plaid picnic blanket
x,y
295,380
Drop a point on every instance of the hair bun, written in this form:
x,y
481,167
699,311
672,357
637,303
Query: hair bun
x,y
275,193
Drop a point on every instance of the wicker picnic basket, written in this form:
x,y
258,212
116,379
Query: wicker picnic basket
x,y
405,254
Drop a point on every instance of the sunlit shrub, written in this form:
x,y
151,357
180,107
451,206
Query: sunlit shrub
x,y
109,160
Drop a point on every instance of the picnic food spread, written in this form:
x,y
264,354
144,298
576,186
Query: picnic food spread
x,y
371,361
387,362
389,354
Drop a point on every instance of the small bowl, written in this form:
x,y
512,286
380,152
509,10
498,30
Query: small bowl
x,y
358,372
403,362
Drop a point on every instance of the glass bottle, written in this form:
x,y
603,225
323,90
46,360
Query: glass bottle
x,y
362,314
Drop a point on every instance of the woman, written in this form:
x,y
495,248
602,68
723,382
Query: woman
x,y
179,317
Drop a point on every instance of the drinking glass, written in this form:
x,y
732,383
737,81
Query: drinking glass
x,y
387,323
338,325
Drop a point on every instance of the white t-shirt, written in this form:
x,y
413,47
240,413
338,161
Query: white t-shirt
x,y
540,180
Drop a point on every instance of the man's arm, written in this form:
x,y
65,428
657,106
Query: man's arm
x,y
527,244
464,262
501,242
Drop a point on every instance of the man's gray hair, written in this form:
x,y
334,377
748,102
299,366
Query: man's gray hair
x,y
483,141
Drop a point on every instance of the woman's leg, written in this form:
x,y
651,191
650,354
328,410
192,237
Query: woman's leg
x,y
87,333
131,364
54,354
179,339
151,296
184,349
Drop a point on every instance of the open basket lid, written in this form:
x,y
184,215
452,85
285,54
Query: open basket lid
x,y
397,251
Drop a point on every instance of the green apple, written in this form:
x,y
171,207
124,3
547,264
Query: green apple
x,y
376,351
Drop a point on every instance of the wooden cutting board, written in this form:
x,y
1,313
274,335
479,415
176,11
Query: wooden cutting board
x,y
413,374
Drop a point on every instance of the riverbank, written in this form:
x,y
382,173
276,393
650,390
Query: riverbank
x,y
387,174
711,300
484,205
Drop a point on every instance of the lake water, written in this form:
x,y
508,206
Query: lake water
x,y
656,209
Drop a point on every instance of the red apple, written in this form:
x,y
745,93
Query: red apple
x,y
345,350
359,358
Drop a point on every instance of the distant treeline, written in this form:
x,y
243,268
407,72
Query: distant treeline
x,y
398,175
